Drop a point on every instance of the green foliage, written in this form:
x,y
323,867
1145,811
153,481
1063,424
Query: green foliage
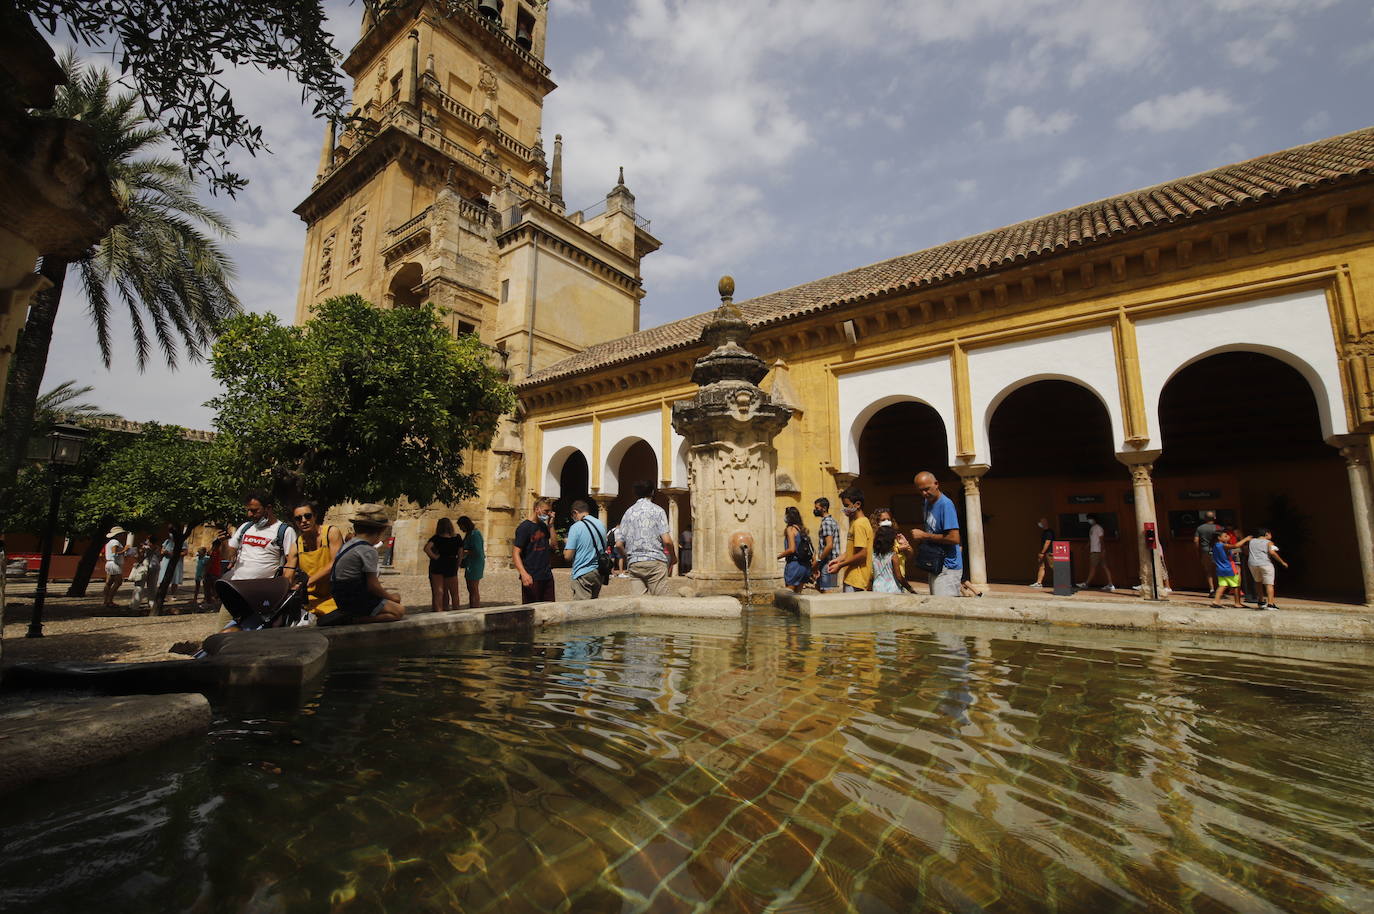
x,y
160,477
360,403
63,403
174,55
27,502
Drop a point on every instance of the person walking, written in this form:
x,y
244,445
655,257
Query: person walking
x,y
828,546
202,561
643,538
1044,560
138,577
584,549
797,550
1096,556
473,560
1203,537
114,565
534,541
942,529
857,561
316,551
444,549
1226,573
1260,555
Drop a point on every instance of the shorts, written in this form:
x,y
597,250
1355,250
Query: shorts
x,y
794,574
649,577
113,569
538,592
1264,574
1229,580
587,587
827,581
946,583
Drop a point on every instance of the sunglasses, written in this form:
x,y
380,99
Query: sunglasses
x,y
309,515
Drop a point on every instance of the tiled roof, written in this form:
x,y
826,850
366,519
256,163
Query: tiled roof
x,y
1248,183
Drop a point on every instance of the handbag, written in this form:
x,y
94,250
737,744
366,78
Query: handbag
x,y
930,557
603,557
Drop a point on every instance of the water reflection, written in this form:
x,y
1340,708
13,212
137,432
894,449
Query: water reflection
x,y
765,765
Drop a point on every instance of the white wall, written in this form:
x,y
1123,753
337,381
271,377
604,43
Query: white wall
x,y
557,445
1085,357
1294,328
619,434
863,393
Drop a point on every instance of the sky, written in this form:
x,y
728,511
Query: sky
x,y
782,141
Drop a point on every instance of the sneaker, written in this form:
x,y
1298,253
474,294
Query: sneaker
x,y
1167,590
1082,585
1109,589
1270,606
1038,585
622,575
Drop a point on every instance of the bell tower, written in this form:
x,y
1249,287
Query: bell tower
x,y
440,189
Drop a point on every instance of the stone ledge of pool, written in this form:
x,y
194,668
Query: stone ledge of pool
x,y
51,737
1136,616
272,659
427,625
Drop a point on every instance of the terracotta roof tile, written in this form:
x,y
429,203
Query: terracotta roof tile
x,y
1246,183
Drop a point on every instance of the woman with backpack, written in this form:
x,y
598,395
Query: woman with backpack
x,y
797,550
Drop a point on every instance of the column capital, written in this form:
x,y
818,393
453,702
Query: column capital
x,y
673,490
843,480
967,471
1356,455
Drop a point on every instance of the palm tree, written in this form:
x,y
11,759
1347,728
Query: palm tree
x,y
172,277
63,403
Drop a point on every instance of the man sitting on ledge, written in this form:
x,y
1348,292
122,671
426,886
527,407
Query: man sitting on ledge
x,y
358,592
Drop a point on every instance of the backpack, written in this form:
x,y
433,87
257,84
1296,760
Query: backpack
x,y
805,552
603,555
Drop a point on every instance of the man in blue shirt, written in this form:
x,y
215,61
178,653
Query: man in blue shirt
x,y
586,543
942,529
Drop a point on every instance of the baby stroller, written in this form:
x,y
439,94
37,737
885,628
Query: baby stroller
x,y
263,602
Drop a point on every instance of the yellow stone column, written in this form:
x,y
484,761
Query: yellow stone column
x,y
975,551
1357,468
1141,464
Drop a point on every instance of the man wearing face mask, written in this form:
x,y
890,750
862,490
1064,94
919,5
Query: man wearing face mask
x,y
828,540
263,546
857,562
534,540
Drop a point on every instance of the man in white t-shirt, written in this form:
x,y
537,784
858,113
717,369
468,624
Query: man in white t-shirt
x,y
114,564
262,546
1095,554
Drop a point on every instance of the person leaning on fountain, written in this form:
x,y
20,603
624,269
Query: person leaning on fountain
x,y
645,541
357,588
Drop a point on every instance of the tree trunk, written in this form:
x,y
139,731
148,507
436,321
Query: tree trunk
x,y
180,534
86,567
27,367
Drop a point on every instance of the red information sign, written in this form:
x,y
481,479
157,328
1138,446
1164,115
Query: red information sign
x,y
1061,550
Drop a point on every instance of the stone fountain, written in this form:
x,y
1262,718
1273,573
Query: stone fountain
x,y
731,463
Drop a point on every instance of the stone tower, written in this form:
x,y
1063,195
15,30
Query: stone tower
x,y
441,191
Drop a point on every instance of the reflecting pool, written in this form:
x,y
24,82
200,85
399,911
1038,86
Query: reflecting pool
x,y
767,764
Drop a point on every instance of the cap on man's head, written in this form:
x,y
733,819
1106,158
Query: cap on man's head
x,y
370,514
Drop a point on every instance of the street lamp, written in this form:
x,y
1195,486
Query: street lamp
x,y
60,449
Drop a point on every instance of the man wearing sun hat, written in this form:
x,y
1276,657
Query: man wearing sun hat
x,y
357,589
114,563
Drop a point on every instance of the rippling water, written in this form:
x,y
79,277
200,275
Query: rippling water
x,y
764,765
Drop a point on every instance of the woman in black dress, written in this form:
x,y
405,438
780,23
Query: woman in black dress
x,y
443,549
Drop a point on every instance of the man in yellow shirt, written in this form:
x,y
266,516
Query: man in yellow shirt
x,y
856,562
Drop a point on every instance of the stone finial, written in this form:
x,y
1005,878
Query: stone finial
x,y
620,181
726,288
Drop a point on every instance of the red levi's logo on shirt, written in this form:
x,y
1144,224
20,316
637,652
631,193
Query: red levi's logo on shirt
x,y
253,539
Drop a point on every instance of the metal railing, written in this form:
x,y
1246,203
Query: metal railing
x,y
599,207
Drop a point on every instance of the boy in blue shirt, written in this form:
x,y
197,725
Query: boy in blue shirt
x,y
1227,573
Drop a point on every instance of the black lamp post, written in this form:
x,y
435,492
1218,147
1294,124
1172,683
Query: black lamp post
x,y
59,449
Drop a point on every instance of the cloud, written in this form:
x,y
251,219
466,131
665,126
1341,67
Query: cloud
x,y
1022,122
1070,170
1178,111
1258,51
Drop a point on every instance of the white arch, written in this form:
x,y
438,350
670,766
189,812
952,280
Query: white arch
x,y
618,434
1084,357
558,443
863,393
1294,328
679,476
553,476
